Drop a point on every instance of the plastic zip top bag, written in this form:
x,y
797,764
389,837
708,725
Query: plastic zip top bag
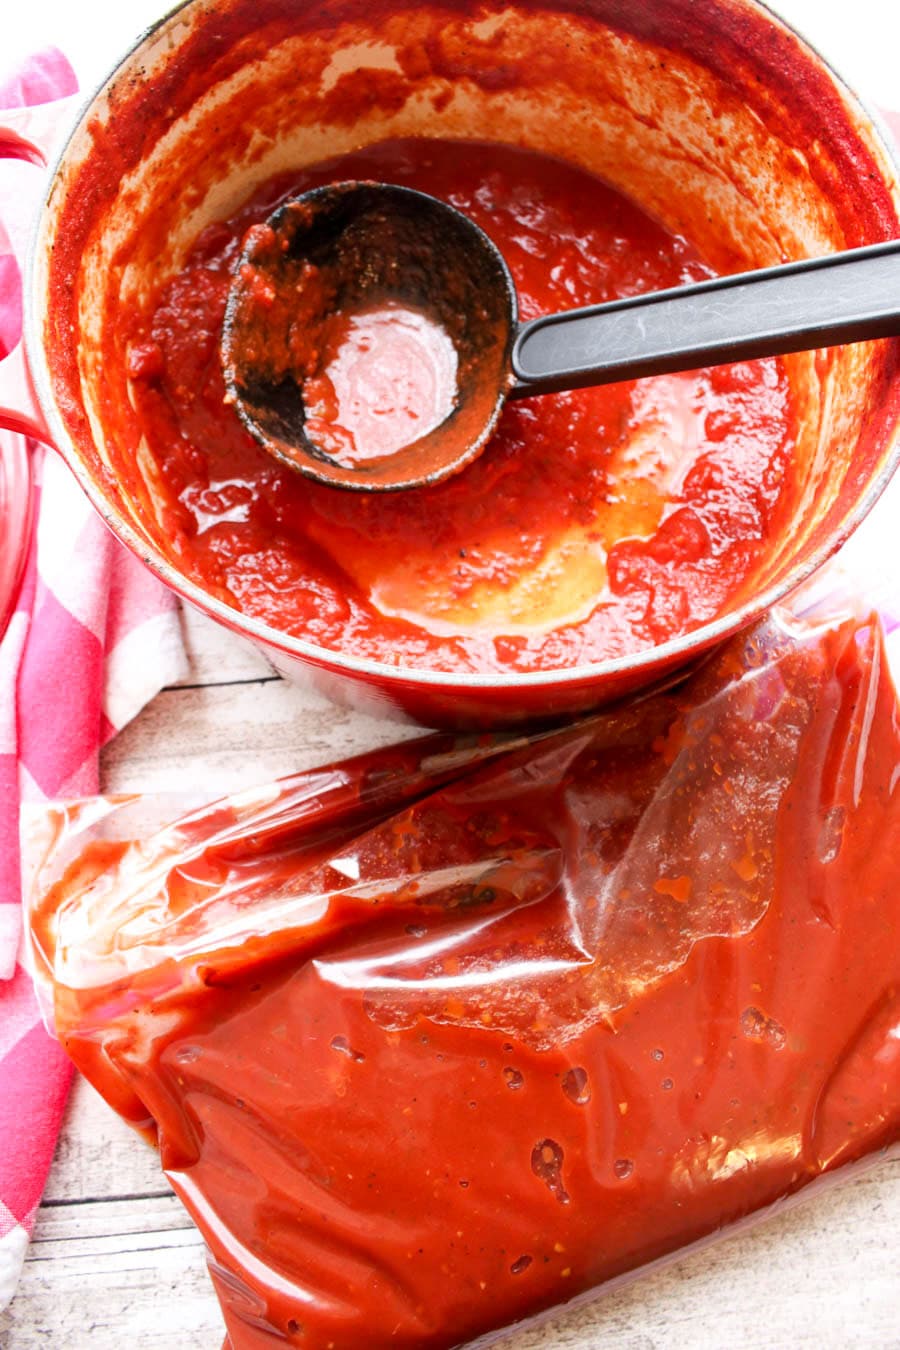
x,y
428,1060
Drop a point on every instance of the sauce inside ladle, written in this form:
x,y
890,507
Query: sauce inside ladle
x,y
371,335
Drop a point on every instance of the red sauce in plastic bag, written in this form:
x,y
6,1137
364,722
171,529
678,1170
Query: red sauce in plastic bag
x,y
597,522
421,1064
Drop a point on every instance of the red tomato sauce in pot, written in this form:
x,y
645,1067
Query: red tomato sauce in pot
x,y
595,524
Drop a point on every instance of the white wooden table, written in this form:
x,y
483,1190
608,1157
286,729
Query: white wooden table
x,y
116,1264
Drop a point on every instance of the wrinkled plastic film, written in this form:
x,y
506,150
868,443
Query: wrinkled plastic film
x,y
114,850
436,1040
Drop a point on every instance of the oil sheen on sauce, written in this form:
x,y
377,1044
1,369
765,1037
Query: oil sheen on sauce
x,y
596,523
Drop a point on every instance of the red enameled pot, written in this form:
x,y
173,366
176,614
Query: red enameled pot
x,y
712,114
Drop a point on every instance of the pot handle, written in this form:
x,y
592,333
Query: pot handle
x,y
32,135
19,408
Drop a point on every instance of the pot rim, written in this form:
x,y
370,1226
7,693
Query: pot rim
x,y
678,650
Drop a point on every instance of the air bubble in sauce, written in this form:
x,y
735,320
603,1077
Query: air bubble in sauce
x,y
576,1087
831,834
756,1026
546,1164
343,1047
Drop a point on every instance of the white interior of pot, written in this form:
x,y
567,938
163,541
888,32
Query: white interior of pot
x,y
657,126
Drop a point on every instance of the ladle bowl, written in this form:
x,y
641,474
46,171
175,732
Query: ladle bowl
x,y
348,248
337,252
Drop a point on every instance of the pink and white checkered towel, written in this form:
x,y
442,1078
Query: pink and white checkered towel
x,y
93,637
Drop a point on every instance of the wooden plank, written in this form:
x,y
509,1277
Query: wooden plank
x,y
98,1157
122,1227
110,1274
221,738
216,656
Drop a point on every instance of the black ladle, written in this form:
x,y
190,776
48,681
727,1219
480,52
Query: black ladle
x,y
352,246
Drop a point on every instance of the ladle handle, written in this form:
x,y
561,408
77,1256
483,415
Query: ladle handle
x,y
820,302
30,134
